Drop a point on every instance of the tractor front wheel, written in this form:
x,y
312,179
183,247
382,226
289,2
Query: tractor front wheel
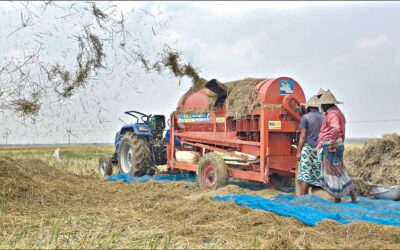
x,y
134,155
105,166
212,171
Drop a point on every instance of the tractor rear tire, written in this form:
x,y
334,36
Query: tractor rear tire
x,y
212,171
134,155
105,166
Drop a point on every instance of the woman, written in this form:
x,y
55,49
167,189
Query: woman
x,y
310,124
334,178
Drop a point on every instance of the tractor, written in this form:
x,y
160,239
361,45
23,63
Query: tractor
x,y
139,146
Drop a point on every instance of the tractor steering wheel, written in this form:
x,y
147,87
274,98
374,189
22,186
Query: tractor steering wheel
x,y
147,118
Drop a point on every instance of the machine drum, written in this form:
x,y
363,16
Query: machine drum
x,y
212,171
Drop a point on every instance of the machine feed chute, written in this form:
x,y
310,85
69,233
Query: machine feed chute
x,y
219,89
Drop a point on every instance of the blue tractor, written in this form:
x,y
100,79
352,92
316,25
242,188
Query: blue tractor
x,y
139,147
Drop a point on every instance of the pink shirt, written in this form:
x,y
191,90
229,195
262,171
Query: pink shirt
x,y
332,128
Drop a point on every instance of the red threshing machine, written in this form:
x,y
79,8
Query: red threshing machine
x,y
258,145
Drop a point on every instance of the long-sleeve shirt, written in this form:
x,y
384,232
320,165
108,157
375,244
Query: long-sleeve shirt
x,y
333,127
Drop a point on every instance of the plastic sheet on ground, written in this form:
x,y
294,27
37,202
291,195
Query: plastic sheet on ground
x,y
191,177
311,209
161,178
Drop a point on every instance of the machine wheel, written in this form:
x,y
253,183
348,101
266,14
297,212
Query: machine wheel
x,y
212,171
134,156
105,166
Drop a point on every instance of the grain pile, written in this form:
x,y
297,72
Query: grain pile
x,y
377,162
44,207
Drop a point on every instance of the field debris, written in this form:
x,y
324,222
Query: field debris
x,y
90,59
377,162
242,96
25,106
46,207
172,62
87,48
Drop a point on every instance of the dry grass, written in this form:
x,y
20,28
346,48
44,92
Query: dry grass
x,y
242,97
376,162
47,206
25,106
82,160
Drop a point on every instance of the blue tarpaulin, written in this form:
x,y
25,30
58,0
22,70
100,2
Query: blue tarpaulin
x,y
311,209
190,176
163,178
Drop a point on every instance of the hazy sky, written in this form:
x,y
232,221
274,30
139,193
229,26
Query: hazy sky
x,y
352,48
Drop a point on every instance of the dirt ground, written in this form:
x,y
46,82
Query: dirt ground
x,y
43,206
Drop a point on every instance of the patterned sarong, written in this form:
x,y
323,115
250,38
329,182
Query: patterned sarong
x,y
334,178
310,168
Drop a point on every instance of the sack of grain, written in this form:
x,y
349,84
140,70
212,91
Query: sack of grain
x,y
56,154
187,156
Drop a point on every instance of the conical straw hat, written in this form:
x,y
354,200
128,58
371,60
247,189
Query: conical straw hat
x,y
313,102
321,92
328,98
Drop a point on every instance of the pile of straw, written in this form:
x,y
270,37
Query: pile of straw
x,y
14,182
377,162
242,97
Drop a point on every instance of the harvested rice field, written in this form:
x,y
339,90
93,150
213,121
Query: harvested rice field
x,y
46,203
185,86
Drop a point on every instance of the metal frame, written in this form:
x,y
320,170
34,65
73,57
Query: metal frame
x,y
139,113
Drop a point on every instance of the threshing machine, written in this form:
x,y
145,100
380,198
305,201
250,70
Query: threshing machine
x,y
258,145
